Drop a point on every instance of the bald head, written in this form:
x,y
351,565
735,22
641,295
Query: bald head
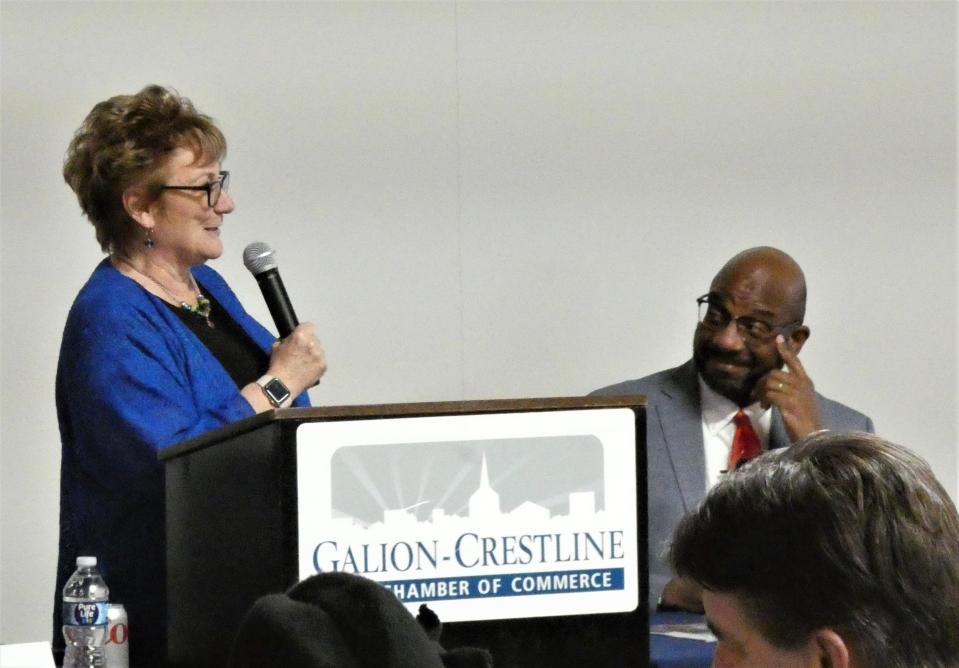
x,y
761,286
768,271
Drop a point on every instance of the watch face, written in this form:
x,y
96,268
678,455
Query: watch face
x,y
276,391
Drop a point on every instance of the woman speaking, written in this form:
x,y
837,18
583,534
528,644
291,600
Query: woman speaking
x,y
156,348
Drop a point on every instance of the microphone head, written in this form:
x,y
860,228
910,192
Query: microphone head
x,y
259,257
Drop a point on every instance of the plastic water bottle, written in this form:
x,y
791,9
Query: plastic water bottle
x,y
85,603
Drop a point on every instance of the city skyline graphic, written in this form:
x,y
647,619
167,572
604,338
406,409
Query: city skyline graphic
x,y
527,480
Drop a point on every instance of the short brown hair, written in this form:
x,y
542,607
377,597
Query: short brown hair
x,y
844,531
123,141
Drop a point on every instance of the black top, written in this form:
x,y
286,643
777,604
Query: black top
x,y
227,341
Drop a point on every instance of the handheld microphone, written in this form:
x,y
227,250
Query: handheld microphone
x,y
259,259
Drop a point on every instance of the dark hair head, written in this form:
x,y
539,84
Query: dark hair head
x,y
842,530
123,142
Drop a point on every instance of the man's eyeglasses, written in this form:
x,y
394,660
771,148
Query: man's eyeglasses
x,y
714,316
212,189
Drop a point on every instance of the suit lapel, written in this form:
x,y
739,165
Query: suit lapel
x,y
680,416
778,438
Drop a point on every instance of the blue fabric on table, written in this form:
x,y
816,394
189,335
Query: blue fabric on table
x,y
131,380
668,652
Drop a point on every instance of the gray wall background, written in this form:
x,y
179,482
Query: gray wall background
x,y
478,200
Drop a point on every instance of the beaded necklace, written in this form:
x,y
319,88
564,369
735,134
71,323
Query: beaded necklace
x,y
200,310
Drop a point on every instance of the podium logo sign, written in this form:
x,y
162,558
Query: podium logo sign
x,y
498,516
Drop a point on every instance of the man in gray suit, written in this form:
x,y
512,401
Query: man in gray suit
x,y
745,363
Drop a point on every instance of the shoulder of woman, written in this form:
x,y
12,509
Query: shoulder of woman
x,y
110,299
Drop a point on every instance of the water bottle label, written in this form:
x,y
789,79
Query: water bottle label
x,y
85,614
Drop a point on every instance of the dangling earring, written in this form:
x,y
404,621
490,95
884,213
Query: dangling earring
x,y
148,242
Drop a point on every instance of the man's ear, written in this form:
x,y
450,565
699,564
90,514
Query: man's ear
x,y
137,205
798,337
832,649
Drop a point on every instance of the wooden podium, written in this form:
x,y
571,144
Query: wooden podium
x,y
233,533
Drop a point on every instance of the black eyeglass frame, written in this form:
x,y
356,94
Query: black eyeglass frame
x,y
219,185
744,323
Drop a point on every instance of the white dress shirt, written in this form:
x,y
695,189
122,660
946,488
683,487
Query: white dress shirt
x,y
718,429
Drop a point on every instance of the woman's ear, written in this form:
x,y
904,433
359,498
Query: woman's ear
x,y
137,205
833,651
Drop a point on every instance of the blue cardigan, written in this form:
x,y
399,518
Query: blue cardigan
x,y
133,379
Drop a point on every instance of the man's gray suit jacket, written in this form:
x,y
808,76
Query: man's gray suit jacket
x,y
675,458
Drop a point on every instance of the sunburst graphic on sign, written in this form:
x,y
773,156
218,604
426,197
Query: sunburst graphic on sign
x,y
425,481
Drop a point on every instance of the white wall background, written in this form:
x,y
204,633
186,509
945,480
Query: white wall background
x,y
477,200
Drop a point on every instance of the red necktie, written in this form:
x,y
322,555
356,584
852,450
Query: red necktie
x,y
746,444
